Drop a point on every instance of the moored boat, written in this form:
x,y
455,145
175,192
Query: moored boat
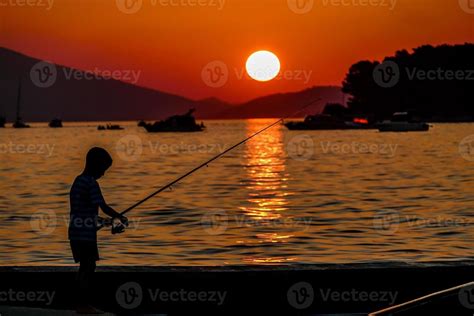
x,y
176,123
329,122
20,124
56,123
110,127
403,122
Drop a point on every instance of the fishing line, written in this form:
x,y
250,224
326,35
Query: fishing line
x,y
169,185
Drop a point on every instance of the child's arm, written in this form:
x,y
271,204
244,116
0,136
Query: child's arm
x,y
98,199
111,212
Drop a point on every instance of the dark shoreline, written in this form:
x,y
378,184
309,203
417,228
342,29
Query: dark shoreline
x,y
385,265
250,289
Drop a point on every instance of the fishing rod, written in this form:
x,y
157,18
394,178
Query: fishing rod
x,y
169,185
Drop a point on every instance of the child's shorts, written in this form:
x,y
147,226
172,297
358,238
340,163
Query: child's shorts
x,y
84,250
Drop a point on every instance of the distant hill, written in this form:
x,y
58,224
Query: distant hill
x,y
98,99
279,105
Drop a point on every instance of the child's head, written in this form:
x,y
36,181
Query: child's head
x,y
98,161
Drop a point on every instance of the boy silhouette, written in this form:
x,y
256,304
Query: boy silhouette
x,y
86,199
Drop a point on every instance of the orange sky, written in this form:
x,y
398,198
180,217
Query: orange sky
x,y
170,41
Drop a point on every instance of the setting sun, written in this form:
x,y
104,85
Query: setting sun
x,y
263,66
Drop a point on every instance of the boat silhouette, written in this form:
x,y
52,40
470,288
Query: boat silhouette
x,y
56,123
176,123
2,121
403,122
329,122
20,124
110,127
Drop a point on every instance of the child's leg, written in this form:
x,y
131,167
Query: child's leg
x,y
85,276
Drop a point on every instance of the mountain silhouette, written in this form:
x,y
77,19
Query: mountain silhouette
x,y
97,99
283,104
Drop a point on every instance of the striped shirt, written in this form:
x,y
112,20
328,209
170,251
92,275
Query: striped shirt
x,y
85,198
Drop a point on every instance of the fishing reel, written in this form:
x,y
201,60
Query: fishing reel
x,y
117,225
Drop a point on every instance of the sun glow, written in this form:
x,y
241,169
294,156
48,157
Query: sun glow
x,y
263,66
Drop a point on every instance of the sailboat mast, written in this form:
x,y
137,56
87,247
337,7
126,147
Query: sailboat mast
x,y
18,101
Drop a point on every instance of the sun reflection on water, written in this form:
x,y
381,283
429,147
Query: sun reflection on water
x,y
266,183
265,167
